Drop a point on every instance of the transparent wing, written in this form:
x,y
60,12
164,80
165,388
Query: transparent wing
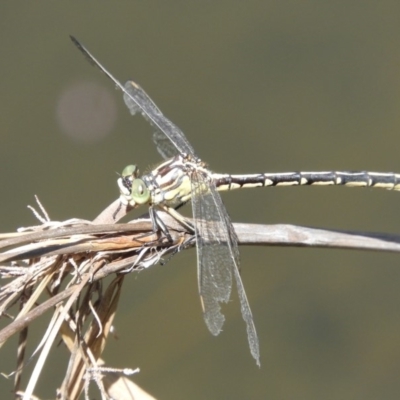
x,y
214,264
137,100
248,317
164,146
167,133
218,259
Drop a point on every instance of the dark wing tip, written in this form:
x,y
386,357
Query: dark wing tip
x,y
83,50
78,44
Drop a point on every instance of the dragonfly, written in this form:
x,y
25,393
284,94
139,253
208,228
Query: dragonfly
x,y
185,177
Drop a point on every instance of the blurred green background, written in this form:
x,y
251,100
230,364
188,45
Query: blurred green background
x,y
257,86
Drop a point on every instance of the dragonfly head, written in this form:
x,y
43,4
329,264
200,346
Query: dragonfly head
x,y
133,190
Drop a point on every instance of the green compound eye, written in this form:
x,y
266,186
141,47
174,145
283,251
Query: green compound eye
x,y
139,192
130,170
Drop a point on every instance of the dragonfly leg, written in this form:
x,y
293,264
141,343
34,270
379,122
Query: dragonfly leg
x,y
117,211
158,223
179,217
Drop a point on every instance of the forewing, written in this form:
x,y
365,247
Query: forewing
x,y
248,318
164,146
137,100
170,140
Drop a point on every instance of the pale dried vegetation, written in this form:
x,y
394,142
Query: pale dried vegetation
x,y
59,268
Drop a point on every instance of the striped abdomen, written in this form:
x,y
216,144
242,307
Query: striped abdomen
x,y
388,181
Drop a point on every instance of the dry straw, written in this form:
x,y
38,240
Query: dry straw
x,y
59,268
